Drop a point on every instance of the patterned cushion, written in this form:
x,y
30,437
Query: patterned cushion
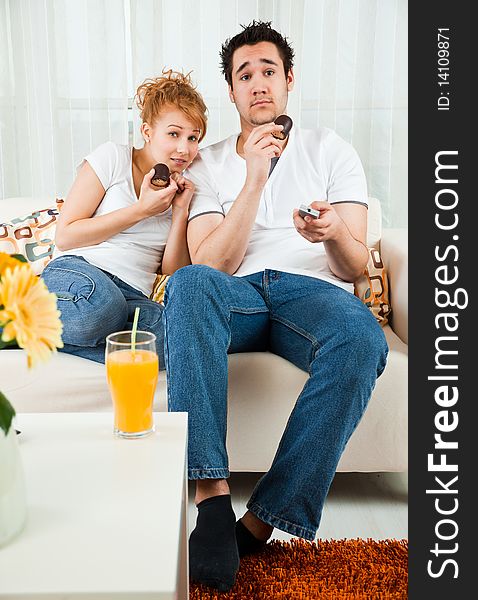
x,y
159,288
32,235
372,287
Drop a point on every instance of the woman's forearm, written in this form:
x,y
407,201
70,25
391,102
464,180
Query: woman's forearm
x,y
94,230
176,253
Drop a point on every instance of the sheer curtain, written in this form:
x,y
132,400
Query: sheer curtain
x,y
69,70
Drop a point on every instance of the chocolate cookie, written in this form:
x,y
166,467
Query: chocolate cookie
x,y
161,175
287,124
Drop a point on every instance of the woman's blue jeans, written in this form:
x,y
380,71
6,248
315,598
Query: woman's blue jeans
x,y
317,326
93,303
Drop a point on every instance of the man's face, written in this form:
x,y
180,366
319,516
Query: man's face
x,y
259,87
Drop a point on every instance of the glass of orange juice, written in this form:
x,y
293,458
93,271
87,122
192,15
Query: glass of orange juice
x,y
132,374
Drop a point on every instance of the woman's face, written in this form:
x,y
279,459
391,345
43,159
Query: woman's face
x,y
173,139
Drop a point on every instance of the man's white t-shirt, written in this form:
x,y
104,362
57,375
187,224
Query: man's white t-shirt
x,y
133,255
315,165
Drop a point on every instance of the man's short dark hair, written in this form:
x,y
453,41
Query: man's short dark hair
x,y
255,32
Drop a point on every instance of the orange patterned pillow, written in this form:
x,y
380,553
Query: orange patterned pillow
x,y
159,288
372,287
32,235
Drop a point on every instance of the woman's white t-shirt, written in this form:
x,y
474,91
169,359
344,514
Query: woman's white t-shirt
x,y
134,255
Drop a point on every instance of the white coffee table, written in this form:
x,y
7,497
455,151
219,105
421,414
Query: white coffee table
x,y
107,517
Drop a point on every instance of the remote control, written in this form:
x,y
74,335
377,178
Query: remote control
x,y
306,211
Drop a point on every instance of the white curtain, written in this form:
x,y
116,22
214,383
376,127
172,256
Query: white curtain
x,y
69,70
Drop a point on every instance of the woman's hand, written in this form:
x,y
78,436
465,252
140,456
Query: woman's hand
x,y
153,201
176,253
184,193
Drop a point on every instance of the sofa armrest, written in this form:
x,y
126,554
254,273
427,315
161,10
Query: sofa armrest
x,y
394,252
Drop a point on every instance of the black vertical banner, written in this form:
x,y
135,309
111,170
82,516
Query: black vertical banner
x,y
443,229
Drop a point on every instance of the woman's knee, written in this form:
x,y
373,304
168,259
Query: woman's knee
x,y
150,316
90,304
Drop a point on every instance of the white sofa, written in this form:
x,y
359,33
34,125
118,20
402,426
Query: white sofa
x,y
262,387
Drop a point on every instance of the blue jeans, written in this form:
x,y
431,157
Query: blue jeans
x,y
321,328
93,303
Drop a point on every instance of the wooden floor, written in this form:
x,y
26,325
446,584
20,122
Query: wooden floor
x,y
365,505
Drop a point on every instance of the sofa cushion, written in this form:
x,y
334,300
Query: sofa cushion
x,y
372,287
32,235
159,287
260,384
374,222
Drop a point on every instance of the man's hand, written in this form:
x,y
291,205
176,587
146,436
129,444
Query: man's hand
x,y
153,201
185,192
343,231
259,148
328,227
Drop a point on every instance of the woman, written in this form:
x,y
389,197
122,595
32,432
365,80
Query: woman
x,y
117,230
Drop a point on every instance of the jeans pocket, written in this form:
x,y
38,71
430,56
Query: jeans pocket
x,y
68,284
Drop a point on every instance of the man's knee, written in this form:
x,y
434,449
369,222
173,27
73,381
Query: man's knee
x,y
366,342
189,283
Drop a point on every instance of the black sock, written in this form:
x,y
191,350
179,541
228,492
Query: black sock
x,y
213,555
247,543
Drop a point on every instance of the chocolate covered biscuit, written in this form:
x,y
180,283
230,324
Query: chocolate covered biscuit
x,y
161,175
286,122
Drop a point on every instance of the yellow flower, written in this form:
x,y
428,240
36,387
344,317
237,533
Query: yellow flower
x,y
28,313
7,261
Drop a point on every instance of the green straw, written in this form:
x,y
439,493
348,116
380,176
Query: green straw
x,y
135,327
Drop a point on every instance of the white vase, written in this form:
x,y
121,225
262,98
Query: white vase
x,y
13,509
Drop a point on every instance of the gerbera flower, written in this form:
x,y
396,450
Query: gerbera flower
x,y
7,261
28,313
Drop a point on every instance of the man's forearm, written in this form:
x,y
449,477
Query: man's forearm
x,y
347,257
225,247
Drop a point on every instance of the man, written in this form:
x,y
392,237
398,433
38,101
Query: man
x,y
263,278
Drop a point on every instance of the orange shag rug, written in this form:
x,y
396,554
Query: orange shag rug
x,y
335,569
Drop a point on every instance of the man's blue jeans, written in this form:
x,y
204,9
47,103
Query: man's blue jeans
x,y
93,303
321,328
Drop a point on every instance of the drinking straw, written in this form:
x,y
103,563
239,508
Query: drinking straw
x,y
135,327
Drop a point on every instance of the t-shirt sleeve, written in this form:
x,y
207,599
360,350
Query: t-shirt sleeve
x,y
346,177
206,197
104,162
